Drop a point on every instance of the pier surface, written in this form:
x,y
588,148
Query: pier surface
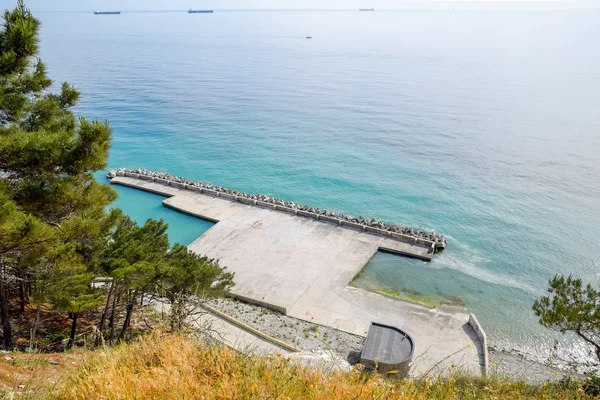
x,y
302,267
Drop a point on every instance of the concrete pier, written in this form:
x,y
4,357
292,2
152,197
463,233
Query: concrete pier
x,y
431,240
302,267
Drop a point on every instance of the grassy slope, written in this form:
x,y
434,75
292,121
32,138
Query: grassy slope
x,y
170,367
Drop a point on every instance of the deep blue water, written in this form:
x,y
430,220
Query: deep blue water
x,y
481,125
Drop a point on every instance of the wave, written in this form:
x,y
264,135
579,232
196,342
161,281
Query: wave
x,y
464,259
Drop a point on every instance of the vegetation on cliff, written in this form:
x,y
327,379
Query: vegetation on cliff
x,y
56,233
167,366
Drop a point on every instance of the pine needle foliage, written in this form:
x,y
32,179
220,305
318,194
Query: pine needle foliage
x,y
53,219
571,307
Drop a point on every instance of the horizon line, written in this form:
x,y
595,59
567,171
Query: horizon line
x,y
449,5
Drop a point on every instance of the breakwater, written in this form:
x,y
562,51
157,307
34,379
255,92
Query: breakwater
x,y
395,231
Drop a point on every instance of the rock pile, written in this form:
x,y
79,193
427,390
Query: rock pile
x,y
437,239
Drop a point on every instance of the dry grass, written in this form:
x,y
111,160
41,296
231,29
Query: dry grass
x,y
163,366
35,375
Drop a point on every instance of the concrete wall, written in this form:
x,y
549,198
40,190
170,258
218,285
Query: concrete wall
x,y
264,204
411,239
286,209
244,200
270,306
401,236
178,185
377,231
250,329
483,340
354,225
424,242
329,219
307,214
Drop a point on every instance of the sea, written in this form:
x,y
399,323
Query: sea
x,y
483,125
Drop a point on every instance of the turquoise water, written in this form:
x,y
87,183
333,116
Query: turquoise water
x,y
140,206
481,125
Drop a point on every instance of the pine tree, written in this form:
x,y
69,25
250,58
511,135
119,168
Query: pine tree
x,y
55,232
132,259
187,279
52,211
573,307
70,292
23,238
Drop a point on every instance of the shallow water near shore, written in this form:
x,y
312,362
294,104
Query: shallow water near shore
x,y
480,125
140,206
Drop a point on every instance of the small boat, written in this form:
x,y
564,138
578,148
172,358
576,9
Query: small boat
x,y
190,11
366,9
107,12
309,36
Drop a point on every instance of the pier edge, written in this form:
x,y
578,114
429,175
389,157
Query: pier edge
x,y
398,232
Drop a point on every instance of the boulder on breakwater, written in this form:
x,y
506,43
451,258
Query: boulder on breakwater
x,y
372,225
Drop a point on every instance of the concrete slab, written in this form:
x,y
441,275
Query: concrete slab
x,y
302,267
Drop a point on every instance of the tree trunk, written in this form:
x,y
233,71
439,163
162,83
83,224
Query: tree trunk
x,y
36,321
73,330
590,341
22,298
177,314
111,322
102,324
6,327
129,311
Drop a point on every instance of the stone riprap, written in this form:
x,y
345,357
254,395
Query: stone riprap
x,y
394,231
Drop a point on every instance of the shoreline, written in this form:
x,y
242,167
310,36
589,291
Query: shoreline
x,y
350,294
515,366
311,337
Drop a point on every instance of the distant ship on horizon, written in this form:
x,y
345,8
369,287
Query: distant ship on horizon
x,y
190,11
366,9
107,12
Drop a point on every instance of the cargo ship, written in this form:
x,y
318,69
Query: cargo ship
x,y
366,9
107,12
190,11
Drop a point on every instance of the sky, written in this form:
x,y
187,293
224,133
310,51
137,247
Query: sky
x,y
124,5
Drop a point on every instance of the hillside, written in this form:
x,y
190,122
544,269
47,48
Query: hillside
x,y
162,366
